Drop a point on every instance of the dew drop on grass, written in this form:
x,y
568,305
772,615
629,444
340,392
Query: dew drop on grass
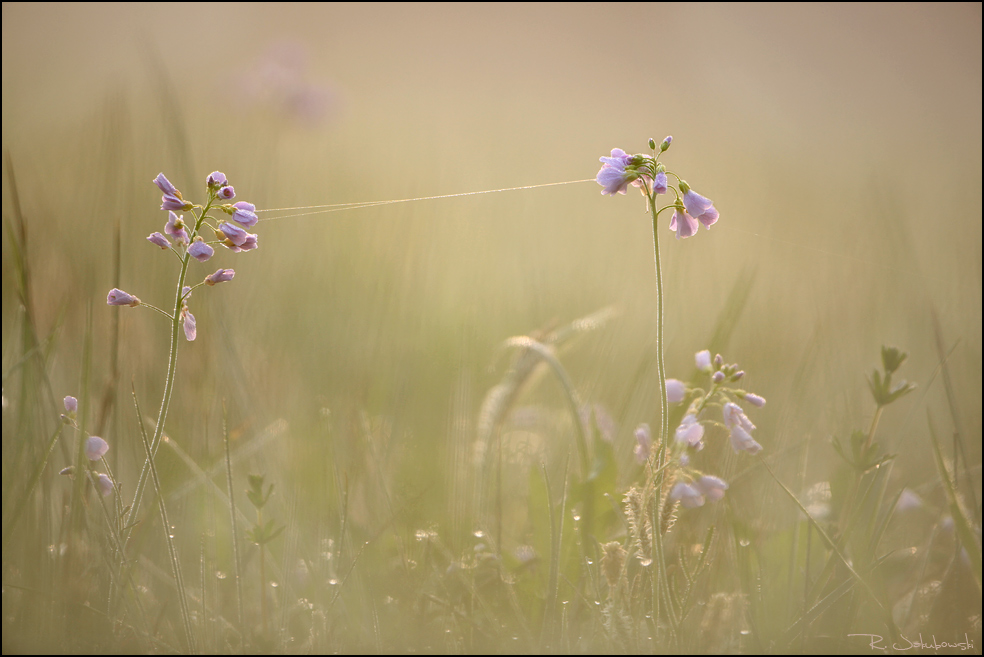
x,y
274,584
220,575
478,533
332,582
743,542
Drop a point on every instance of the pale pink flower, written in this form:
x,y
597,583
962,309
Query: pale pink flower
x,y
95,448
690,432
105,484
683,224
703,360
711,487
688,495
675,391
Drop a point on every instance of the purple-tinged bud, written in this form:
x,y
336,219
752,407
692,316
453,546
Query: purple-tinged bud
x,y
120,298
718,377
200,251
71,404
718,360
188,322
233,234
68,472
165,185
711,487
675,391
95,448
737,375
158,240
703,360
688,496
220,276
754,399
227,193
105,484
245,214
652,144
175,227
666,144
659,183
216,179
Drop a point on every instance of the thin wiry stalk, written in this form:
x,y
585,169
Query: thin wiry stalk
x,y
235,531
659,580
172,363
168,537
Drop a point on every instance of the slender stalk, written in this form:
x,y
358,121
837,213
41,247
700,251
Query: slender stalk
x,y
657,474
172,364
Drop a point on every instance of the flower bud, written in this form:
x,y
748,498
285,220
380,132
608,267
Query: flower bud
x,y
652,144
666,144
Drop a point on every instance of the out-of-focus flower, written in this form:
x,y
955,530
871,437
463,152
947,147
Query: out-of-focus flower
x,y
644,443
717,377
675,391
690,432
698,206
200,251
95,448
605,423
105,484
220,276
688,495
158,240
188,323
908,500
740,428
245,214
175,227
120,298
703,360
71,404
684,225
754,399
226,193
711,487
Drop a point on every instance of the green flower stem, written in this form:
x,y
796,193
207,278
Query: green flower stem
x,y
172,364
656,475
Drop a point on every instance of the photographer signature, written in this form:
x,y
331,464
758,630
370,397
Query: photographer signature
x,y
876,643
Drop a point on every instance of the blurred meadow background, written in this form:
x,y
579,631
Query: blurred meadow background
x,y
353,350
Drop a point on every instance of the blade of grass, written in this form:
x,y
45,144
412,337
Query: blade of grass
x,y
890,623
964,528
235,531
168,537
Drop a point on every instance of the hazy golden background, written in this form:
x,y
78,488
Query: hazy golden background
x,y
841,144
